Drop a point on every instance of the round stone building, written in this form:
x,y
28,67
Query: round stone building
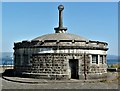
x,y
60,55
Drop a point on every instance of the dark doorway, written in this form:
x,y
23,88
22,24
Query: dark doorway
x,y
73,63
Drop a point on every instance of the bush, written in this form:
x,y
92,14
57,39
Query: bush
x,y
114,66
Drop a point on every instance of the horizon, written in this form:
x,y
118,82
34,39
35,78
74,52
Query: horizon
x,y
25,21
107,54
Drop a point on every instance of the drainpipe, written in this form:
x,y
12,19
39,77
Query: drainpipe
x,y
85,66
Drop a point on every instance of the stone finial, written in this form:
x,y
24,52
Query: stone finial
x,y
60,28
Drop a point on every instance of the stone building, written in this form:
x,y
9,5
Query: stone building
x,y
61,55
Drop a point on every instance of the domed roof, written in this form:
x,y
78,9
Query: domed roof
x,y
60,31
60,36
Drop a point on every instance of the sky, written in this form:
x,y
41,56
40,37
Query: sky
x,y
28,20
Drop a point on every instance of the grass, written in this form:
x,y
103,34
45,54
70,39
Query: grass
x,y
114,66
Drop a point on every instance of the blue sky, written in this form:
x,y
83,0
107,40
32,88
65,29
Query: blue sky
x,y
26,21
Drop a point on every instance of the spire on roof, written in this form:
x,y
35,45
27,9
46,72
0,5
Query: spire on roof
x,y
60,28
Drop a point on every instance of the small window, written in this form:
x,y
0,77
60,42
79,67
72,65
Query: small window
x,y
95,59
101,59
105,60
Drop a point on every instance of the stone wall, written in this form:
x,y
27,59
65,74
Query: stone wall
x,y
50,64
56,66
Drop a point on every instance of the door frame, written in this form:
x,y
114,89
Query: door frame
x,y
77,69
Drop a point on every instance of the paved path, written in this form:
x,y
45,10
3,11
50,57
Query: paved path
x,y
28,83
13,85
59,85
